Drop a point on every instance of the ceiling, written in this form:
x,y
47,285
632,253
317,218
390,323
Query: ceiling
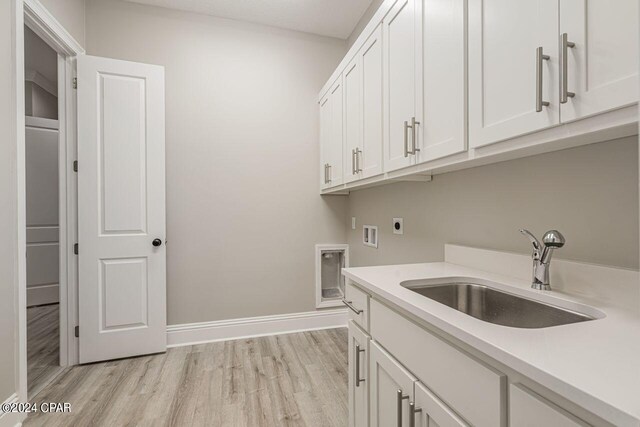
x,y
333,18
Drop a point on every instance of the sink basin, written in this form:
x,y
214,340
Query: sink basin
x,y
499,307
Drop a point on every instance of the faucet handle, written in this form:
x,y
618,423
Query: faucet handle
x,y
534,241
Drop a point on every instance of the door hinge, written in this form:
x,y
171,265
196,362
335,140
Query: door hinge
x,y
75,83
75,248
77,331
75,166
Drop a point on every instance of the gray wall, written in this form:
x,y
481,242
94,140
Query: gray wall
x,y
589,193
71,14
243,211
366,17
8,197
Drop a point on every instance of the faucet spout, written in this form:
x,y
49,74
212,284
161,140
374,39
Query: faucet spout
x,y
552,239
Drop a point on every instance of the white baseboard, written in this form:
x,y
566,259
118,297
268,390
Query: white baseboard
x,y
222,330
45,294
11,419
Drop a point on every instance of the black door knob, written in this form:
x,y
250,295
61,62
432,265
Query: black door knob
x,y
156,242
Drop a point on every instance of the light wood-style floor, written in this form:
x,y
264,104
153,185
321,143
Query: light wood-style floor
x,y
43,341
284,380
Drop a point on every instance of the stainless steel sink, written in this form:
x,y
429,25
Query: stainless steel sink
x,y
498,307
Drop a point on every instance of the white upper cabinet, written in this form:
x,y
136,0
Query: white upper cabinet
x,y
331,136
513,68
352,118
369,160
402,83
442,131
602,55
363,111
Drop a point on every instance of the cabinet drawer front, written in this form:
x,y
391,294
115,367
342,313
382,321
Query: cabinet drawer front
x,y
359,301
528,409
475,391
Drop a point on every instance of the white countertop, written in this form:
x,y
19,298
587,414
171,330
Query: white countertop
x,y
595,364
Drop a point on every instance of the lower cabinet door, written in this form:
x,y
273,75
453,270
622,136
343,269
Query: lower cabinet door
x,y
429,411
527,409
390,390
358,376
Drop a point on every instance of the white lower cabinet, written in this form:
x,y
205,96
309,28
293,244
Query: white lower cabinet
x,y
402,375
429,411
390,391
358,376
527,409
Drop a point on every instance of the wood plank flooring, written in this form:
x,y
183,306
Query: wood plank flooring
x,y
43,341
283,380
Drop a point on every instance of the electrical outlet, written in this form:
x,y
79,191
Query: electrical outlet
x,y
370,235
398,226
353,222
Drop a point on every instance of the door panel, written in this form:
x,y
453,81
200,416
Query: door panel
x,y
352,117
358,394
399,27
121,209
325,138
603,65
388,378
432,412
527,409
372,118
503,37
336,138
443,129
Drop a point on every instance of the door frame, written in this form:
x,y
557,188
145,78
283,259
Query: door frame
x,y
35,16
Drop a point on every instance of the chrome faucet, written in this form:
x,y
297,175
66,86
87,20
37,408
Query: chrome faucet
x,y
552,239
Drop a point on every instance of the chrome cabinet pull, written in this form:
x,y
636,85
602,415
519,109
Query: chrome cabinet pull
x,y
412,413
353,161
414,144
564,91
540,56
326,179
400,397
358,351
358,153
406,138
328,173
348,304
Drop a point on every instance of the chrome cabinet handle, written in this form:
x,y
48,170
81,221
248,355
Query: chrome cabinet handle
x,y
353,161
328,173
348,304
406,138
358,168
564,91
412,413
358,351
540,56
326,179
414,147
400,396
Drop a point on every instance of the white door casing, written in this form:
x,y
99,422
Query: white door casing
x,y
602,66
121,209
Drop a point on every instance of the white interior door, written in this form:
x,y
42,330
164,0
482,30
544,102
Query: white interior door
x,y
602,66
121,209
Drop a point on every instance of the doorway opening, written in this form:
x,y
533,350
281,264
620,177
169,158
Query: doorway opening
x,y
42,136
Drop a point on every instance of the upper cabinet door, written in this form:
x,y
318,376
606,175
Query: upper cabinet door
x,y
369,160
352,118
402,65
509,78
325,134
336,135
602,55
443,129
331,136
